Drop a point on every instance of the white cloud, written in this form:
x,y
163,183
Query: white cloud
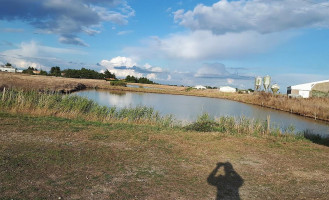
x,y
261,16
152,76
36,55
147,66
118,62
203,44
67,18
124,66
125,72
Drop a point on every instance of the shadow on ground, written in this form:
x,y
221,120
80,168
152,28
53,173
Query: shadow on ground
x,y
228,184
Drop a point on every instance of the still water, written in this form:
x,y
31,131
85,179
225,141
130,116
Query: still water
x,y
188,108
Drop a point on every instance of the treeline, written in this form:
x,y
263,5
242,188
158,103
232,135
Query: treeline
x,y
72,73
85,73
31,70
132,79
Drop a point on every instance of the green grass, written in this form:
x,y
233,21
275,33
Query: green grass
x,y
118,83
75,107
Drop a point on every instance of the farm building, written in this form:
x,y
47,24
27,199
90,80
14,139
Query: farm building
x,y
5,68
227,89
200,87
307,90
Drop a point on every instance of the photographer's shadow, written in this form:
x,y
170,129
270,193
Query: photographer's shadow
x,y
227,185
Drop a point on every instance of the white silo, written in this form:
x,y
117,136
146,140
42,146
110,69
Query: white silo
x,y
267,82
275,88
258,83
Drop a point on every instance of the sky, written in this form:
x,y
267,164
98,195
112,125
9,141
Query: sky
x,y
188,42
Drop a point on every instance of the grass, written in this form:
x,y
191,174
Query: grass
x,y
316,108
118,83
75,107
52,157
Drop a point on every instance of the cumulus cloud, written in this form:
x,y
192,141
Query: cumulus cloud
x,y
118,62
255,15
151,76
204,44
36,55
234,29
124,66
67,18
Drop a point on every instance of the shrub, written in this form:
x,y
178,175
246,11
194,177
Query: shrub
x,y
118,83
203,124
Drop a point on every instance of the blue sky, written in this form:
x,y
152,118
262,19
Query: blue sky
x,y
187,42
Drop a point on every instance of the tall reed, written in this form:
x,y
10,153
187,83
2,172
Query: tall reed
x,y
75,106
241,126
72,106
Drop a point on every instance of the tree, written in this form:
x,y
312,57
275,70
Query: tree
x,y
108,74
131,79
8,64
29,70
55,71
43,73
83,73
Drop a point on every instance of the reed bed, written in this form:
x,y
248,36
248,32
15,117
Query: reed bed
x,y
246,126
315,107
238,126
72,106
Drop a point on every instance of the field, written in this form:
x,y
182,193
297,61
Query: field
x,y
68,147
51,158
316,108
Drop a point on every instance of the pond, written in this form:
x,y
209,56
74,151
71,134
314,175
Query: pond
x,y
188,108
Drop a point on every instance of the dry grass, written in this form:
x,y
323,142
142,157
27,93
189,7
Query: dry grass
x,y
48,157
317,108
322,87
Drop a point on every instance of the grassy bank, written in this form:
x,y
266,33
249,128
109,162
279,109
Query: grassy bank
x,y
50,104
316,108
73,107
52,157
54,146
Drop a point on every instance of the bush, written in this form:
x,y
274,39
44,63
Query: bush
x,y
118,83
203,124
188,89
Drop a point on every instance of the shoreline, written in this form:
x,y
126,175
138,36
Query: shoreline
x,y
314,108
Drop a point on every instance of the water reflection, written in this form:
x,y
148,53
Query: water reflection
x,y
188,108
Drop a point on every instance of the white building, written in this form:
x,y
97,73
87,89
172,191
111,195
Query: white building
x,y
5,68
227,89
303,90
200,87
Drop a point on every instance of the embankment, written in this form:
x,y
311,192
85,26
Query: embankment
x,y
316,108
